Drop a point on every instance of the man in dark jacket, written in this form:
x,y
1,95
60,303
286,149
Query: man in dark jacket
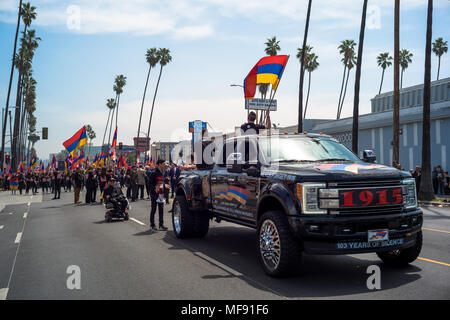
x,y
174,175
115,195
77,179
156,182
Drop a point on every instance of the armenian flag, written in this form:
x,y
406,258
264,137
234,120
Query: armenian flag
x,y
268,70
78,139
14,185
33,162
53,162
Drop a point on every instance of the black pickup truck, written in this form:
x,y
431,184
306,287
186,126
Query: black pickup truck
x,y
303,193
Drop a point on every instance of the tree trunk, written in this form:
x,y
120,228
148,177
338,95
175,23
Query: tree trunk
x,y
142,105
382,78
5,121
302,71
340,94
117,107
345,92
307,95
106,128
439,66
112,117
401,79
396,115
153,103
355,127
426,190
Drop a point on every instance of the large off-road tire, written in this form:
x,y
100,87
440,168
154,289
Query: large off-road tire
x,y
182,218
279,251
187,223
401,258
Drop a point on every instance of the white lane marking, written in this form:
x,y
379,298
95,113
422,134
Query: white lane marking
x,y
138,222
25,215
10,213
220,265
3,293
29,203
18,237
1,227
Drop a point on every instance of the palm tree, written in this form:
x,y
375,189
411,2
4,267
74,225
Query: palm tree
x,y
384,60
426,191
120,82
164,58
152,59
272,48
302,70
110,104
29,43
5,120
355,125
350,64
347,49
28,14
405,60
91,136
439,48
311,64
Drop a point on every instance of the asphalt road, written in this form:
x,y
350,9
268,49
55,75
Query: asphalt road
x,y
41,238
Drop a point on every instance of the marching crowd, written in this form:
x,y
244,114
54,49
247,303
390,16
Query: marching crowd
x,y
139,182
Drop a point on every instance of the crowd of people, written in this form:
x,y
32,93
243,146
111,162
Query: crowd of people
x,y
440,180
138,182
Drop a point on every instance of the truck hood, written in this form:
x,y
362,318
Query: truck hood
x,y
338,171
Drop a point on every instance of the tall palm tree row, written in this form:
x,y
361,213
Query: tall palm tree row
x,y
347,49
384,60
152,58
439,48
310,65
23,64
5,119
405,59
164,58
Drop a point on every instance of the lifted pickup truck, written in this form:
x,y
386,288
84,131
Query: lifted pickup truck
x,y
303,193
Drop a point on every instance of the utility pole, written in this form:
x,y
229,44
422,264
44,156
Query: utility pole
x,y
302,71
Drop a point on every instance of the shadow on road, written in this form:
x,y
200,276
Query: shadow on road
x,y
320,276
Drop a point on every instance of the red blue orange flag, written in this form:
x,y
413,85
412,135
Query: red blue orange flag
x,y
268,70
78,139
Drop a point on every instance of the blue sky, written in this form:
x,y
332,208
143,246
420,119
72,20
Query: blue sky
x,y
214,43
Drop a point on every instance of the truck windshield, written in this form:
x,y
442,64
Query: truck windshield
x,y
304,149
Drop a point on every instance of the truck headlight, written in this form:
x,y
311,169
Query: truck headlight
x,y
409,193
308,195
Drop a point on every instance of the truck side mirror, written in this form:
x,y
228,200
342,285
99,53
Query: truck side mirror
x,y
369,156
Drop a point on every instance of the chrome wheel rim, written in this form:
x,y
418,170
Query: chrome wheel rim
x,y
177,217
269,245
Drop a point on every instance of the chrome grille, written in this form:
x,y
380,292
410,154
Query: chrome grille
x,y
365,184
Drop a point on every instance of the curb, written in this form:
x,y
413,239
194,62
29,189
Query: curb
x,y
434,204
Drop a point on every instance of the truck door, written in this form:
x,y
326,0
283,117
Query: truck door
x,y
219,180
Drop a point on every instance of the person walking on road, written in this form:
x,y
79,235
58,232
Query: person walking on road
x,y
156,181
140,182
174,175
57,175
77,179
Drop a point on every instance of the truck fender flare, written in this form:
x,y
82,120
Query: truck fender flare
x,y
282,194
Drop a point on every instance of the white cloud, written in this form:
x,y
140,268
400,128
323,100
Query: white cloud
x,y
193,32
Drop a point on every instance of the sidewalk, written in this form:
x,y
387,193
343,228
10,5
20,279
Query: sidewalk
x,y
441,201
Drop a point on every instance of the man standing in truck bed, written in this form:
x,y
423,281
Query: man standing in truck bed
x,y
250,125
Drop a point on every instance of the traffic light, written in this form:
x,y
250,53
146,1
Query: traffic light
x,y
120,146
44,133
7,159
